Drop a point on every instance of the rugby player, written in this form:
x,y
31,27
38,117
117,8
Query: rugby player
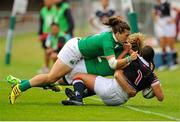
x,y
97,66
137,76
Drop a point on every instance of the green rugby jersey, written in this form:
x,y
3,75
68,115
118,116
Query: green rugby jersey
x,y
100,66
97,45
61,19
48,16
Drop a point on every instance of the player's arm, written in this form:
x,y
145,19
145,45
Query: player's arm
x,y
127,48
156,87
110,56
121,63
119,76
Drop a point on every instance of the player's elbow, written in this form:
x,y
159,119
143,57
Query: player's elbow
x,y
112,63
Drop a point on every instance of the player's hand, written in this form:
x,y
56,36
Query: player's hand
x,y
127,47
134,56
132,93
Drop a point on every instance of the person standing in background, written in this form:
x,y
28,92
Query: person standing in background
x,y
54,42
64,18
177,10
101,16
166,32
47,15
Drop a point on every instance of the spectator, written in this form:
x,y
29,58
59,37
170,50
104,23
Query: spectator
x,y
54,42
101,16
166,31
47,14
64,18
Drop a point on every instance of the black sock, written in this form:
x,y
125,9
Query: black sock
x,y
175,57
78,89
164,58
88,93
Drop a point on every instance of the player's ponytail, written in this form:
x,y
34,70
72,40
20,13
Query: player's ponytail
x,y
117,24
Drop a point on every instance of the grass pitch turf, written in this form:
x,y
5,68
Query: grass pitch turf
x,y
38,104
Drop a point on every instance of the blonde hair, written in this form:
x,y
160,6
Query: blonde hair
x,y
137,41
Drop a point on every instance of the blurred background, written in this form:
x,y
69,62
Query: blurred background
x,y
81,11
24,46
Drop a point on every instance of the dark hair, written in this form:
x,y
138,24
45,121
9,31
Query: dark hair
x,y
117,24
147,53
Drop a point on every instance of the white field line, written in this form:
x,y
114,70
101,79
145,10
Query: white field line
x,y
145,111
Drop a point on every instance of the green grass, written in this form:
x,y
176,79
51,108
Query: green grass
x,y
38,104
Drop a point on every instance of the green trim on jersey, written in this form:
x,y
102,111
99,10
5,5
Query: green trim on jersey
x,y
61,19
97,45
100,66
48,16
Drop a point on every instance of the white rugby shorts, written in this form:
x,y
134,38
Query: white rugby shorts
x,y
70,54
110,91
165,29
80,67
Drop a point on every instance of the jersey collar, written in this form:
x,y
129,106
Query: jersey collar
x,y
114,37
143,60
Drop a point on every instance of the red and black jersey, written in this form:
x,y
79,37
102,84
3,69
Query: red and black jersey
x,y
139,74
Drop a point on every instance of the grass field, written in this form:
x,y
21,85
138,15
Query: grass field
x,y
38,104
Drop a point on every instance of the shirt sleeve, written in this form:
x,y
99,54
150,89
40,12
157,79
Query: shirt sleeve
x,y
153,78
108,48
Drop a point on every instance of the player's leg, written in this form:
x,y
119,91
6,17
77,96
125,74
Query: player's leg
x,y
41,79
163,43
88,79
174,54
80,82
67,59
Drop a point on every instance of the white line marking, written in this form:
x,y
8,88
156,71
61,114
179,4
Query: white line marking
x,y
146,112
153,113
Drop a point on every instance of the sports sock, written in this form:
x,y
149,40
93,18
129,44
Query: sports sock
x,y
164,58
24,85
174,57
23,81
78,89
